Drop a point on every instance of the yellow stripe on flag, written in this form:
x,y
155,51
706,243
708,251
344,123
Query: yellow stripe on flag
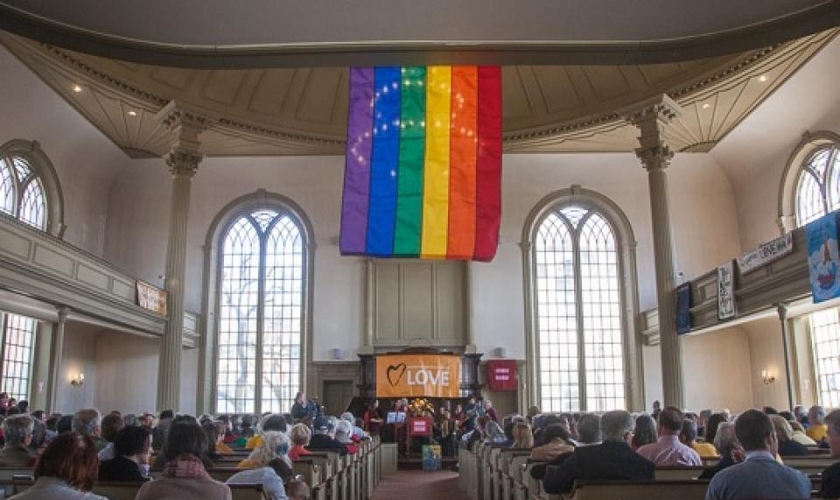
x,y
436,171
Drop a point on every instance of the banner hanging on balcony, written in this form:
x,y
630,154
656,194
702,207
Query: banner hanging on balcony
x,y
423,163
821,238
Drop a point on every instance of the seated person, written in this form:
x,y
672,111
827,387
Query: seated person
x,y
612,459
303,407
784,434
730,449
66,470
273,445
760,475
588,430
830,484
688,437
359,434
299,435
184,475
324,437
297,490
799,434
270,422
668,450
818,430
112,423
17,430
645,432
271,477
132,450
522,436
344,435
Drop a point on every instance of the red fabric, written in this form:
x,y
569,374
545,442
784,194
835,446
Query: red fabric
x,y
488,183
501,374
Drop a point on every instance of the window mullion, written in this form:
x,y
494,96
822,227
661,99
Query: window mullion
x,y
579,320
258,356
4,332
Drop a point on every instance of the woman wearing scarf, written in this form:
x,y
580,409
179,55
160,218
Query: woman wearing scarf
x,y
184,477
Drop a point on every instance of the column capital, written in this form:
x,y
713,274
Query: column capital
x,y
782,311
182,163
62,312
652,118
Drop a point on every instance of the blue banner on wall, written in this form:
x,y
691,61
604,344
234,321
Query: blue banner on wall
x,y
823,260
684,308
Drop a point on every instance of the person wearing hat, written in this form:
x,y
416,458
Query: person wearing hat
x,y
323,437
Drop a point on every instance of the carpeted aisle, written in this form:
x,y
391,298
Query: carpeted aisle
x,y
419,485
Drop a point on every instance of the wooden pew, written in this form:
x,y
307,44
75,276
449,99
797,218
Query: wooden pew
x,y
673,473
502,480
637,490
9,473
311,473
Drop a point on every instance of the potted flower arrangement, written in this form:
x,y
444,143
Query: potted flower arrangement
x,y
419,406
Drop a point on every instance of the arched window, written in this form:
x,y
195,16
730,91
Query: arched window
x,y
818,186
583,340
261,313
811,189
29,188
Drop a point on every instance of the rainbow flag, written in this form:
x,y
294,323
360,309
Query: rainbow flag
x,y
423,167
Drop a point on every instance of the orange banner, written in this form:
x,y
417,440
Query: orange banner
x,y
418,375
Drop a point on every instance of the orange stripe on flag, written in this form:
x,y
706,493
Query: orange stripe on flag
x,y
462,163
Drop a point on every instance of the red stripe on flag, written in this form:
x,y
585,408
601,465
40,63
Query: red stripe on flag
x,y
488,163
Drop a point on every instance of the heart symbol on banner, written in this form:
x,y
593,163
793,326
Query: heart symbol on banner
x,y
395,373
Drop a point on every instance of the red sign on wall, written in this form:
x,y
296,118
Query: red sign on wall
x,y
501,374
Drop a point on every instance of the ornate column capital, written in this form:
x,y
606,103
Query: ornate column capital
x,y
182,163
185,124
782,311
62,312
652,118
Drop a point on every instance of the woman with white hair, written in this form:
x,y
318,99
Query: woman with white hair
x,y
274,444
344,435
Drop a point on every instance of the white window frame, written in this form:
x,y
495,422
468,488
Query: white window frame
x,y
628,290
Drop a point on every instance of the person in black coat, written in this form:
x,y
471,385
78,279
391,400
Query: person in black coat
x,y
323,439
613,459
132,449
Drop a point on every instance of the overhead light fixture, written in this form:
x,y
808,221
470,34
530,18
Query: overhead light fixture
x,y
706,105
762,78
132,113
77,88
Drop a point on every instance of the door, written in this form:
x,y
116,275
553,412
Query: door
x,y
337,394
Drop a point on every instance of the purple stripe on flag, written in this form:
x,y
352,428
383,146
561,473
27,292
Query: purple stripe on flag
x,y
354,209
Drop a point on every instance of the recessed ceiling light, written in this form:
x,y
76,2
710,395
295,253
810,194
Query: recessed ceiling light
x,y
77,88
706,105
132,113
762,78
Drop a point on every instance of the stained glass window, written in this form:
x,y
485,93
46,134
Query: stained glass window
x,y
578,312
261,314
18,342
21,192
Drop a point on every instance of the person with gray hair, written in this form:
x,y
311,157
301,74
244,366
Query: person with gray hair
x,y
358,432
818,430
588,429
613,459
729,448
88,422
17,430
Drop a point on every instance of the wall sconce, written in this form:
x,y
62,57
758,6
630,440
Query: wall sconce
x,y
78,380
767,377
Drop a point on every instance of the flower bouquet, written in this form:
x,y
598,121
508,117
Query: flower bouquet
x,y
420,406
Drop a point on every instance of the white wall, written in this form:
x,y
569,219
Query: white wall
x,y
79,356
84,159
766,353
717,370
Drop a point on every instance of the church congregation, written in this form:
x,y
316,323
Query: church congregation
x,y
555,250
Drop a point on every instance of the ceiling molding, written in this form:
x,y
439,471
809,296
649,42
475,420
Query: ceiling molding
x,y
799,21
302,111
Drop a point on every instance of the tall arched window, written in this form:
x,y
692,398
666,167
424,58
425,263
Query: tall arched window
x,y
261,300
811,188
582,339
21,192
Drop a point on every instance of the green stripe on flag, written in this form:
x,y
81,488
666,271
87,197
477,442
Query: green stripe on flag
x,y
409,220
